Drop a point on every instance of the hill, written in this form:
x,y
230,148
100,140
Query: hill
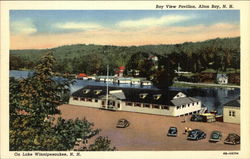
x,y
80,57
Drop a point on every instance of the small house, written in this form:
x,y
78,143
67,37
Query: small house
x,y
146,83
82,76
120,71
222,78
231,111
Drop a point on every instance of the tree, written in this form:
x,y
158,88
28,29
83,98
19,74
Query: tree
x,y
33,104
101,144
164,74
160,70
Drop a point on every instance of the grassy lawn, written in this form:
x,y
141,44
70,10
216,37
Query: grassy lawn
x,y
229,70
202,86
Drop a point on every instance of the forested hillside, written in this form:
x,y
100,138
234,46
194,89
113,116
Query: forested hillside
x,y
217,54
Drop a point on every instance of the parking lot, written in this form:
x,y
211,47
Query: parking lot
x,y
148,132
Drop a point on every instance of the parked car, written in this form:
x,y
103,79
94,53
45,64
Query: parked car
x,y
232,139
122,123
172,131
196,134
215,136
197,117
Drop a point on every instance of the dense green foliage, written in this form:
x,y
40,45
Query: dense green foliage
x,y
218,54
160,70
33,106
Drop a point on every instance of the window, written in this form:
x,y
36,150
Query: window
x,y
143,95
129,103
85,91
156,106
138,104
157,96
233,113
183,106
118,105
146,105
96,100
82,99
103,102
89,100
165,107
97,91
75,98
178,107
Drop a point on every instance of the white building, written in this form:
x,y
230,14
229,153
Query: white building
x,y
151,101
231,111
222,79
146,83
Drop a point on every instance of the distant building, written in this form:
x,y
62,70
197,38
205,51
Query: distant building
x,y
153,58
82,76
134,72
151,101
137,81
146,83
231,111
222,78
120,71
105,78
124,80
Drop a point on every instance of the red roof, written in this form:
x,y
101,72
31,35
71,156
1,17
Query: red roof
x,y
82,75
122,68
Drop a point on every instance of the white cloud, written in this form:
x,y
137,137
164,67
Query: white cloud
x,y
150,22
77,26
25,27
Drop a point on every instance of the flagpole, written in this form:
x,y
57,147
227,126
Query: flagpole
x,y
107,89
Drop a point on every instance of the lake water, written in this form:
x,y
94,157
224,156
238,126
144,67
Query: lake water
x,y
212,98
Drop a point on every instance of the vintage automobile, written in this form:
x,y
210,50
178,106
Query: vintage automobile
x,y
122,123
215,136
197,117
172,131
232,139
196,134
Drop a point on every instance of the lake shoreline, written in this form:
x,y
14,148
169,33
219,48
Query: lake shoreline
x,y
212,97
203,85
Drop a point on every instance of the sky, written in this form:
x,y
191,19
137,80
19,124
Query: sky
x,y
39,29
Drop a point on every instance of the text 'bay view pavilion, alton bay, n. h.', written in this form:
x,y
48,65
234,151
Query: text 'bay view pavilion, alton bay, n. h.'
x,y
151,101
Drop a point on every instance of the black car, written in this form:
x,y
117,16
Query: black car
x,y
215,136
232,139
172,131
196,134
122,123
197,117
